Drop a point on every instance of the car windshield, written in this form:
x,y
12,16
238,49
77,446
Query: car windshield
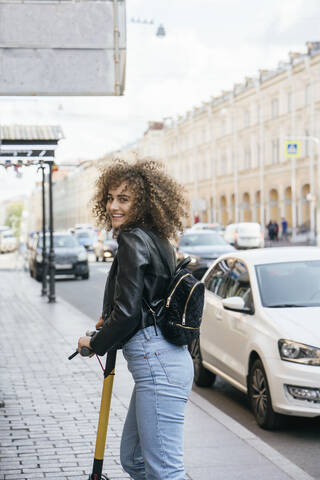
x,y
84,234
60,241
197,239
289,284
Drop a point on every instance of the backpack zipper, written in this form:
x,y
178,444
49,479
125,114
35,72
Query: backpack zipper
x,y
186,305
169,298
188,328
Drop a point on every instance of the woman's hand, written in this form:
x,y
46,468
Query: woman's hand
x,y
99,323
84,342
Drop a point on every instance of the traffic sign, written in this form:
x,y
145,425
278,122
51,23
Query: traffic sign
x,y
292,149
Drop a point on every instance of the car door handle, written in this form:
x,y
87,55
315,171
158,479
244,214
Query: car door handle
x,y
219,316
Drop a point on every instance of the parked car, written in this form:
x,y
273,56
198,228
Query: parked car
x,y
203,246
216,227
105,248
8,241
244,235
87,238
83,226
71,258
260,330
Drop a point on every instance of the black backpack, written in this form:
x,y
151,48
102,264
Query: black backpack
x,y
180,314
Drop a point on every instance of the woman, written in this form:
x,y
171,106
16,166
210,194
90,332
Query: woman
x,y
133,199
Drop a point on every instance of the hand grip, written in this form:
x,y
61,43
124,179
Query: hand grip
x,y
85,352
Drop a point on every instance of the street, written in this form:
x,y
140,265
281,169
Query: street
x,y
299,441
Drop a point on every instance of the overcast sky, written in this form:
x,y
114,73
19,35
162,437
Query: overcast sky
x,y
209,46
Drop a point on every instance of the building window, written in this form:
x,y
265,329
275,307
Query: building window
x,y
289,105
208,166
258,114
275,151
247,158
306,144
274,108
307,94
204,170
258,155
223,128
187,172
246,118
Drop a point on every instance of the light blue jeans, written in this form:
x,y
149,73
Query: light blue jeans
x,y
152,438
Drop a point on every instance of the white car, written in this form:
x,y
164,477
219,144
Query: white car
x,y
207,226
261,330
8,241
244,235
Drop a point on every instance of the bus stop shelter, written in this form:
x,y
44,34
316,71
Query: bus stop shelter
x,y
27,145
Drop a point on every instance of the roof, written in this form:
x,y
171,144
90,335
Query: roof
x,y
259,256
30,132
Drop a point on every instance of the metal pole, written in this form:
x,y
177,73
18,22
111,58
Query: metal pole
x,y
318,196
44,250
235,153
52,296
116,34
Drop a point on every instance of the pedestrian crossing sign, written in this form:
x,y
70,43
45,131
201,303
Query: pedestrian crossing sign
x,y
292,149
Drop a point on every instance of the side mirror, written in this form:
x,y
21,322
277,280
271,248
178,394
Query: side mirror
x,y
235,304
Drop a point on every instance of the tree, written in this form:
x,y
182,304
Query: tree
x,y
13,219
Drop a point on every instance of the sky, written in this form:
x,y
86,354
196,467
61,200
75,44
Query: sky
x,y
209,46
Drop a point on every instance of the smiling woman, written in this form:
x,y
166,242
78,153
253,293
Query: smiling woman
x,y
120,201
144,207
140,193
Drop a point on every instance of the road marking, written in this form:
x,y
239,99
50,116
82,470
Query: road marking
x,y
255,442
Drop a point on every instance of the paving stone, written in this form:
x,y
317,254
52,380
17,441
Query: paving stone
x,y
48,424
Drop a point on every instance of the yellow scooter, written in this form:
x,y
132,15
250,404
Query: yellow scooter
x,y
108,373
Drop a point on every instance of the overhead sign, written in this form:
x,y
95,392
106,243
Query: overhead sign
x,y
62,47
292,149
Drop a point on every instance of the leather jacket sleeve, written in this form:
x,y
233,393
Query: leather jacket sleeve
x,y
133,258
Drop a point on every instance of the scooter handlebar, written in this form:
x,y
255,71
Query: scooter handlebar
x,y
84,352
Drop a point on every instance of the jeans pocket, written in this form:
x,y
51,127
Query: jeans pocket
x,y
177,366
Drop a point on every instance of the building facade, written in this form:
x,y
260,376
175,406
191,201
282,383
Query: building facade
x,y
229,152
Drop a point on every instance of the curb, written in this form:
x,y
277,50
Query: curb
x,y
281,462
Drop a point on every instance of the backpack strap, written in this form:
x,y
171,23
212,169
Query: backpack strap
x,y
183,263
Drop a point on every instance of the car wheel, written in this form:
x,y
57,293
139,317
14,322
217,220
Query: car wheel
x,y
38,277
260,398
85,276
202,376
31,273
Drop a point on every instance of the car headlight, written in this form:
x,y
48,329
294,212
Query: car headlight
x,y
39,257
82,256
296,352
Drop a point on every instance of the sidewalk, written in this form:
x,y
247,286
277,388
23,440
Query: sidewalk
x,y
48,423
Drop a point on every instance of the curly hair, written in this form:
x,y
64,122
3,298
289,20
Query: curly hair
x,y
159,201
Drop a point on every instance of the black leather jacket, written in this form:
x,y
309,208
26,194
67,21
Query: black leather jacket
x,y
137,273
